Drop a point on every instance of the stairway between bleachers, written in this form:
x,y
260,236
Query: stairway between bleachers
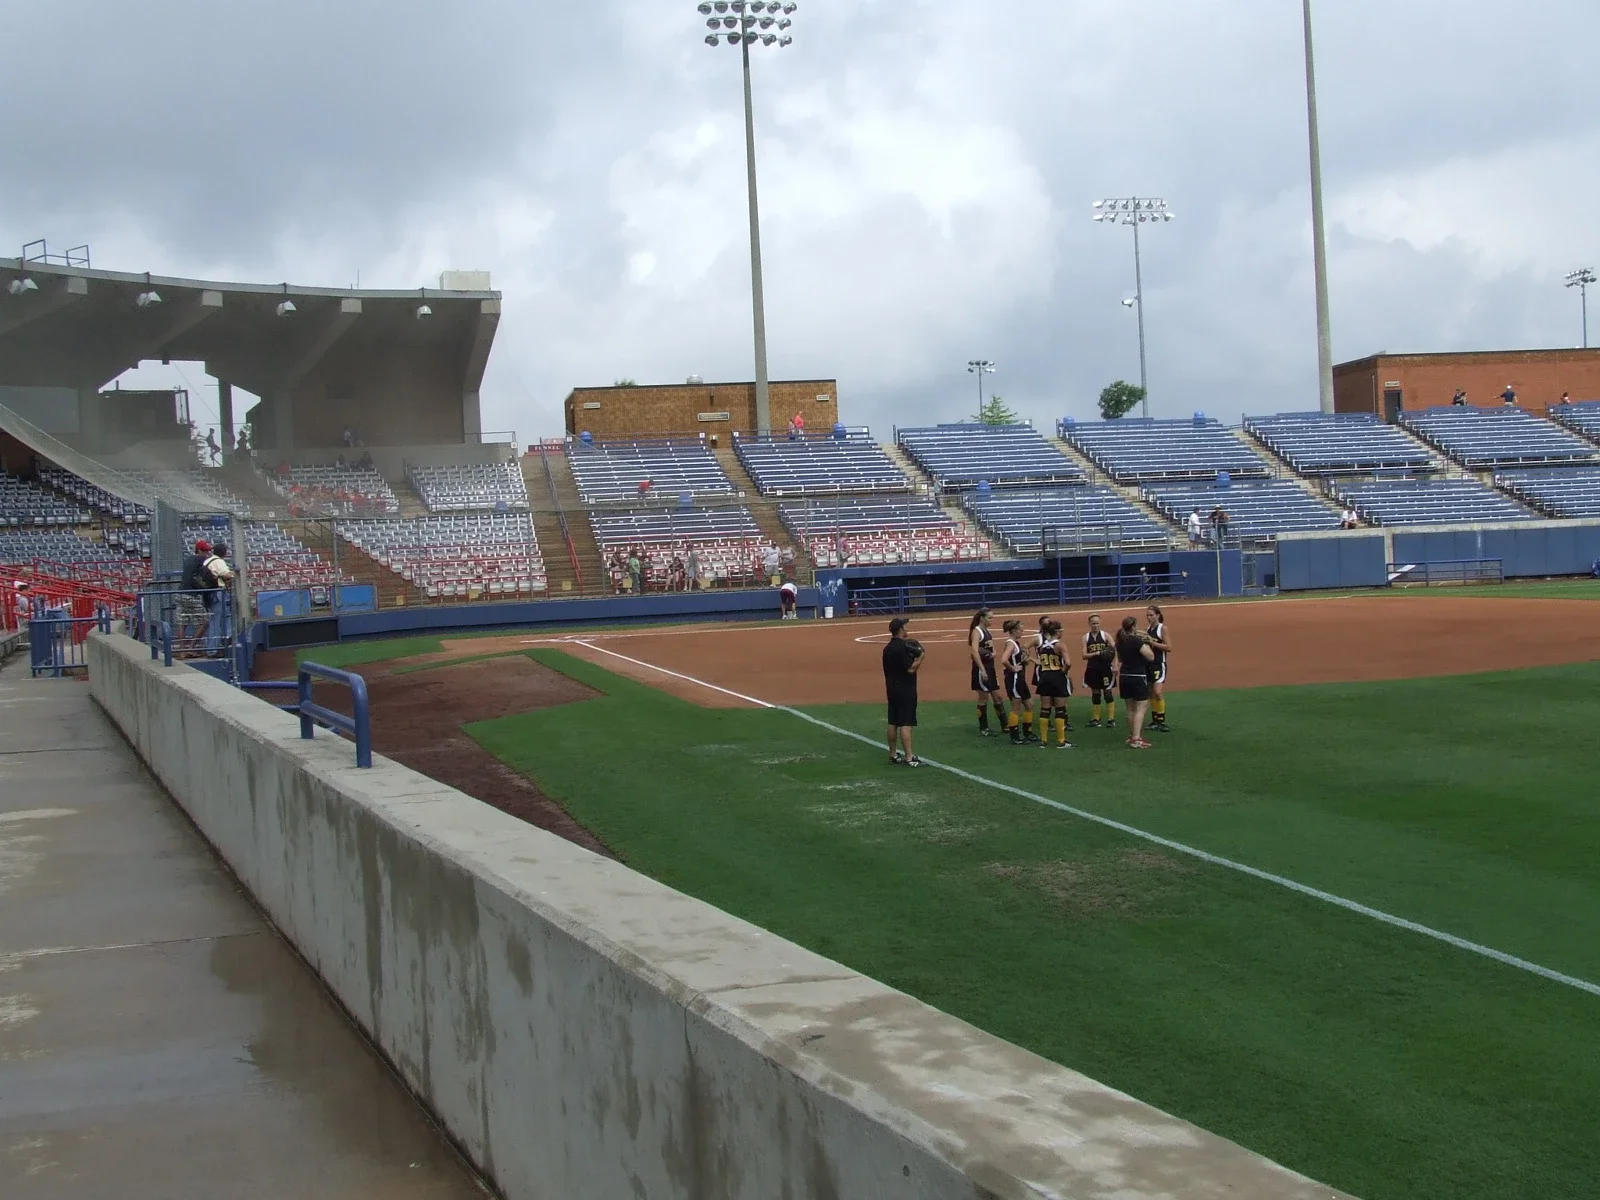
x,y
1097,477
596,580
765,511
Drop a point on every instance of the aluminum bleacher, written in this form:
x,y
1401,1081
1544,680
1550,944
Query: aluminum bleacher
x,y
462,556
337,491
1135,449
478,487
106,503
1086,517
818,464
1581,416
196,482
1430,502
1255,510
607,472
966,454
727,541
1318,443
24,505
1491,437
871,530
1558,491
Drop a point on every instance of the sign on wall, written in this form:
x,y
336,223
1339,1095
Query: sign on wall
x,y
713,416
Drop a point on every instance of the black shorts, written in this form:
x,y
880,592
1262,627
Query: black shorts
x,y
902,710
983,681
1099,678
1054,685
1017,686
1158,672
1134,687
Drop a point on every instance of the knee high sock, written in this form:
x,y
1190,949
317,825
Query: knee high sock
x,y
1111,708
1158,706
983,716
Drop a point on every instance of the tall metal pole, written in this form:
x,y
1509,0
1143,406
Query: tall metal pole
x,y
1583,298
757,299
1138,295
980,395
1318,232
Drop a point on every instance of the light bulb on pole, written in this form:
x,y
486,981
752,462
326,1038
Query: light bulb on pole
x,y
746,23
1135,211
980,367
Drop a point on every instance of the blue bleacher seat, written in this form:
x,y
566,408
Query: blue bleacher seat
x,y
655,526
1255,510
1558,491
1581,416
830,463
606,472
1085,516
472,488
904,528
1135,449
962,455
1318,443
1488,437
1430,502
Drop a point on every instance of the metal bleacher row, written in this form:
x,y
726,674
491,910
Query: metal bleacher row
x,y
869,530
456,555
727,541
479,486
1340,444
966,454
25,505
1493,437
1557,491
1135,449
1255,510
1429,502
608,472
340,491
845,460
1090,517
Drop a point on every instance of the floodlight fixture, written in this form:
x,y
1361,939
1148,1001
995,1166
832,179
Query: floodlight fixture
x,y
980,367
147,298
22,285
742,24
1135,211
285,307
1581,279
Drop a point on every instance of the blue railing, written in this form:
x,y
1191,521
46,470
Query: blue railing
x,y
1130,585
357,726
160,634
1459,570
58,643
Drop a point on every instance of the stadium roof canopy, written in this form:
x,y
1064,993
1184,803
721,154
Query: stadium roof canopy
x,y
73,326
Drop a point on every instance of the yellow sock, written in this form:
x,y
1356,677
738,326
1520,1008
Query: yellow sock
x,y
1111,710
1061,729
1011,721
1160,706
1097,710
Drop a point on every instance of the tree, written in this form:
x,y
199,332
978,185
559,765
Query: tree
x,y
625,382
1119,399
995,411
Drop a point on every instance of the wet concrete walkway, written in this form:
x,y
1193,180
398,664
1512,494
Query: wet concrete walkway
x,y
157,1038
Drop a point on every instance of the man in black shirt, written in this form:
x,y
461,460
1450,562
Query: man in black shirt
x,y
902,658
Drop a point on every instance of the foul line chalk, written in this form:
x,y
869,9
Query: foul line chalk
x,y
1365,910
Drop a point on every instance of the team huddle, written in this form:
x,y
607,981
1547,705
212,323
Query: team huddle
x,y
1130,661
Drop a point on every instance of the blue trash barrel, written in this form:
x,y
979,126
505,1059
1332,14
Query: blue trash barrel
x,y
1199,418
1224,479
839,431
586,438
685,499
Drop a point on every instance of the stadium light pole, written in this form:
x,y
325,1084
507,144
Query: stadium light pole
x,y
1135,211
1319,235
980,367
743,23
1581,279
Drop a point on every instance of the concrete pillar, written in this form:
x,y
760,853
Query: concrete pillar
x,y
283,421
471,417
225,417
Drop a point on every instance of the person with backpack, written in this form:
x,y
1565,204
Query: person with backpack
x,y
216,577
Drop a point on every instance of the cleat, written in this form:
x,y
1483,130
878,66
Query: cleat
x,y
896,759
913,762
985,731
1064,746
1161,728
1111,724
1095,724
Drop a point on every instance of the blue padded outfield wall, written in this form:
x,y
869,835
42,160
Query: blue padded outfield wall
x,y
1361,558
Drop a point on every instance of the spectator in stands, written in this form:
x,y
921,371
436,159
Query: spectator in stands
x,y
1219,525
1509,396
692,568
1348,518
217,577
1197,535
1565,399
364,463
636,570
675,573
244,442
769,561
786,561
189,608
348,437
644,488
1460,398
212,447
902,659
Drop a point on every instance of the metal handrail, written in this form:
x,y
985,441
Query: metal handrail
x,y
358,726
561,516
161,642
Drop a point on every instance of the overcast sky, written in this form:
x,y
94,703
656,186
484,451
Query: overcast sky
x,y
927,171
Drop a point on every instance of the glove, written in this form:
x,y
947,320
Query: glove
x,y
916,647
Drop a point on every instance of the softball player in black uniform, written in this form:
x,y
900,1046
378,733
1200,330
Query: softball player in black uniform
x,y
1156,634
985,679
1135,658
1014,664
1100,672
1055,684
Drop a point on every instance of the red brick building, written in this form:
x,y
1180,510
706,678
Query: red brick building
x,y
1388,383
693,408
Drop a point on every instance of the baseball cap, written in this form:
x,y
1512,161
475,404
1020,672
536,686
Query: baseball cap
x,y
202,547
899,623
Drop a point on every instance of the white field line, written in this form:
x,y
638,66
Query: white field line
x,y
1376,914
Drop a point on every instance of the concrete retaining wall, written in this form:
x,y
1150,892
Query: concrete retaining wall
x,y
583,1031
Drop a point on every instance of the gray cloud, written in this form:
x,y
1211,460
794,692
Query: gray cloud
x,y
927,171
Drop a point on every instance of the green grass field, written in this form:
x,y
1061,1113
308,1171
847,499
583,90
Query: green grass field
x,y
1373,1058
